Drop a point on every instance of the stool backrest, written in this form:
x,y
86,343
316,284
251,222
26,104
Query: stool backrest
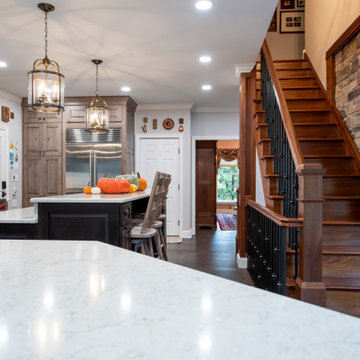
x,y
164,191
155,201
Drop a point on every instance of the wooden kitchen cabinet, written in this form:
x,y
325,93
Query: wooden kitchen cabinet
x,y
44,141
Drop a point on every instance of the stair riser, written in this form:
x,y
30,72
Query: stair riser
x,y
297,82
322,147
303,94
321,131
268,166
341,266
265,148
310,117
346,301
341,210
275,205
262,132
259,117
288,73
334,166
307,105
258,106
340,235
271,185
342,186
291,65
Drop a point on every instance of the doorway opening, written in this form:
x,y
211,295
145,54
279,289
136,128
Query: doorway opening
x,y
217,179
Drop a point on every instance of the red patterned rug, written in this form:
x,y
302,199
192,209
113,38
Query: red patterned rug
x,y
226,221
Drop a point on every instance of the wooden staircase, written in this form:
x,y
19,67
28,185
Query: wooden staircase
x,y
322,138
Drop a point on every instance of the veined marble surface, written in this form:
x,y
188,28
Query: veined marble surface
x,y
27,215
88,300
90,198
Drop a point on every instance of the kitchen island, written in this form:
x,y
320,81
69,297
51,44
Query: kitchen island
x,y
103,217
88,300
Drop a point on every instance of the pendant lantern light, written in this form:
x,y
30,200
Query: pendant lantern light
x,y
46,83
97,112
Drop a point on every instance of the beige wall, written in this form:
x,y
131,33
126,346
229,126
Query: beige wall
x,y
325,21
285,46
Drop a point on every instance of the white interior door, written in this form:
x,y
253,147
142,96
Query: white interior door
x,y
162,154
3,160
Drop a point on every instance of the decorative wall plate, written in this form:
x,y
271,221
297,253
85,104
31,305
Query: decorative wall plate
x,y
168,124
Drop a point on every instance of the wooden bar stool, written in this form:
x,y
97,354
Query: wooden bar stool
x,y
141,236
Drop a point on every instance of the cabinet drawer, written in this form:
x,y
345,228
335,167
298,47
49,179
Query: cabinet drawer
x,y
125,213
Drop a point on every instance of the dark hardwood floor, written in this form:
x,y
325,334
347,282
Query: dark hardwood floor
x,y
210,251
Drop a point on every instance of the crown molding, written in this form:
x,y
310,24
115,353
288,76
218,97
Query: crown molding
x,y
166,106
219,109
243,68
9,96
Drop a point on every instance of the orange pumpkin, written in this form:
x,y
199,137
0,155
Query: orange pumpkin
x,y
133,188
113,186
87,189
142,183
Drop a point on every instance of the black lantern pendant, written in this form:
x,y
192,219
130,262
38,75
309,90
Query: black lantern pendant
x,y
97,112
46,83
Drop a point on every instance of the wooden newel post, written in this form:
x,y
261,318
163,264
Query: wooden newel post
x,y
309,285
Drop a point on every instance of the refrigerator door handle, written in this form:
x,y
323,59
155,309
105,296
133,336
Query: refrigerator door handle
x,y
95,170
91,168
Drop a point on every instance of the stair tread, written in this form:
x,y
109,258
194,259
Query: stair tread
x,y
300,87
275,197
264,140
310,111
294,68
341,222
342,283
296,77
333,283
341,250
341,176
342,197
315,124
267,157
322,139
271,176
328,156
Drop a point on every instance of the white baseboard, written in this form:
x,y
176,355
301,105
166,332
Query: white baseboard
x,y
187,234
241,262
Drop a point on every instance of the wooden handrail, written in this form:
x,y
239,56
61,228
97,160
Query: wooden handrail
x,y
284,111
275,217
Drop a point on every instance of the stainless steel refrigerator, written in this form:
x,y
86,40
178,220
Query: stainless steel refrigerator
x,y
90,157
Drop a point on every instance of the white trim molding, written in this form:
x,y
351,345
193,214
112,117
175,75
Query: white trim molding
x,y
168,106
193,170
241,262
9,96
243,68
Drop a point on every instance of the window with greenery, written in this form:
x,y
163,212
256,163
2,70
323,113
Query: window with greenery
x,y
227,183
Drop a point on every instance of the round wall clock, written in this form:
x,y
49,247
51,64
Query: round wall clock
x,y
168,124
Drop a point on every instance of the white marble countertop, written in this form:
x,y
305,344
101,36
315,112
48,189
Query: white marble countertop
x,y
27,215
89,300
89,198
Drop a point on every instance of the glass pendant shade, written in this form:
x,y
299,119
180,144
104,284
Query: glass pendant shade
x,y
97,116
46,87
97,112
46,83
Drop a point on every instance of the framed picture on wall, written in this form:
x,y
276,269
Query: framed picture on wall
x,y
300,3
287,4
5,114
273,23
292,22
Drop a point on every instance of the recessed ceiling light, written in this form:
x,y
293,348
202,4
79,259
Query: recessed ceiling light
x,y
203,5
3,64
205,59
126,89
206,87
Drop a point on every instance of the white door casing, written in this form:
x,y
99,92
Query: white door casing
x,y
4,161
162,154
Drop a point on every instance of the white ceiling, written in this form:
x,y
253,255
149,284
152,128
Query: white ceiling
x,y
151,45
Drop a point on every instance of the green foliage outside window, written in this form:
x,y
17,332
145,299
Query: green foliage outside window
x,y
227,182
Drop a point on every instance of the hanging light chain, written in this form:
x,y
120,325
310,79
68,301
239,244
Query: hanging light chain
x,y
97,80
46,34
